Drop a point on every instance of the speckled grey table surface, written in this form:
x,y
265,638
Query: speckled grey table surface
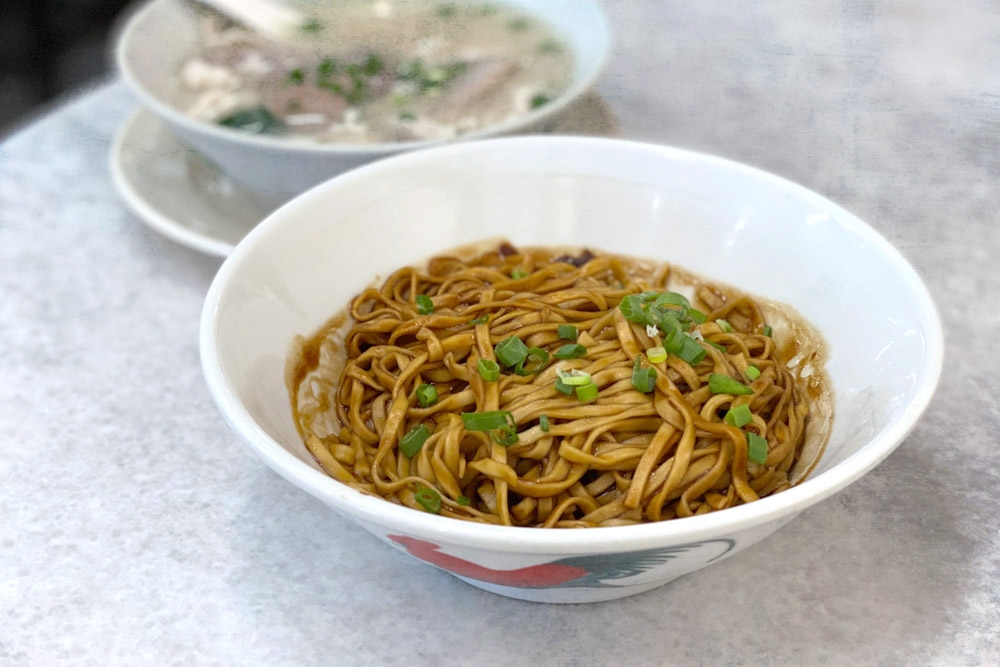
x,y
135,529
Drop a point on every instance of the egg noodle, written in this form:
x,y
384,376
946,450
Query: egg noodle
x,y
534,388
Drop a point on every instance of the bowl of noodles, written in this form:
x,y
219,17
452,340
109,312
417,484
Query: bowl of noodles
x,y
568,369
344,83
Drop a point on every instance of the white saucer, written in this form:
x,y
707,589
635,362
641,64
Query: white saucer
x,y
178,194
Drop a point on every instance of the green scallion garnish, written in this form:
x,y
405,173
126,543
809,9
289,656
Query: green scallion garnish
x,y
766,331
255,121
563,387
488,369
571,351
543,421
504,438
587,392
720,348
311,26
724,325
429,499
549,46
756,448
447,10
489,421
673,299
482,319
752,373
414,439
692,352
631,308
517,274
463,500
535,362
697,316
518,24
427,395
567,332
687,348
739,416
424,304
539,100
574,378
511,351
643,379
723,384
656,354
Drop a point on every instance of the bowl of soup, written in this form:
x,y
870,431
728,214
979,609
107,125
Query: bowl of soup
x,y
568,369
357,80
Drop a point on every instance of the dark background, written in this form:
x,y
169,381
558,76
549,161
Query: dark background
x,y
50,47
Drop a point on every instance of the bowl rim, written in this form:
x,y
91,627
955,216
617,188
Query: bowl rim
x,y
356,505
129,27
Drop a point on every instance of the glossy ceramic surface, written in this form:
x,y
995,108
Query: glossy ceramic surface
x,y
720,219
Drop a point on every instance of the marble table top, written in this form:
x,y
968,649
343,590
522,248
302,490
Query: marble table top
x,y
135,529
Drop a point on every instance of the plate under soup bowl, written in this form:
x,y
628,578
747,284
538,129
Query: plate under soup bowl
x,y
722,220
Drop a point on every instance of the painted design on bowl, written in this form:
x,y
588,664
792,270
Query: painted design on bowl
x,y
596,571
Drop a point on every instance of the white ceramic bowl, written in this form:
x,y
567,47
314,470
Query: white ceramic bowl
x,y
721,219
156,38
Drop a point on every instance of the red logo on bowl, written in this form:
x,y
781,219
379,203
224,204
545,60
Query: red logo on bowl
x,y
572,572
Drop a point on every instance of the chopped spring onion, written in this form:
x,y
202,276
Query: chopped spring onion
x,y
574,378
567,332
767,331
517,274
424,304
643,379
482,319
463,500
756,448
511,351
723,384
540,99
752,373
667,321
631,308
429,499
587,392
427,395
673,299
504,438
739,416
563,387
697,316
724,325
489,421
543,421
536,360
488,370
311,26
254,121
720,348
692,352
656,354
685,347
571,351
414,439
